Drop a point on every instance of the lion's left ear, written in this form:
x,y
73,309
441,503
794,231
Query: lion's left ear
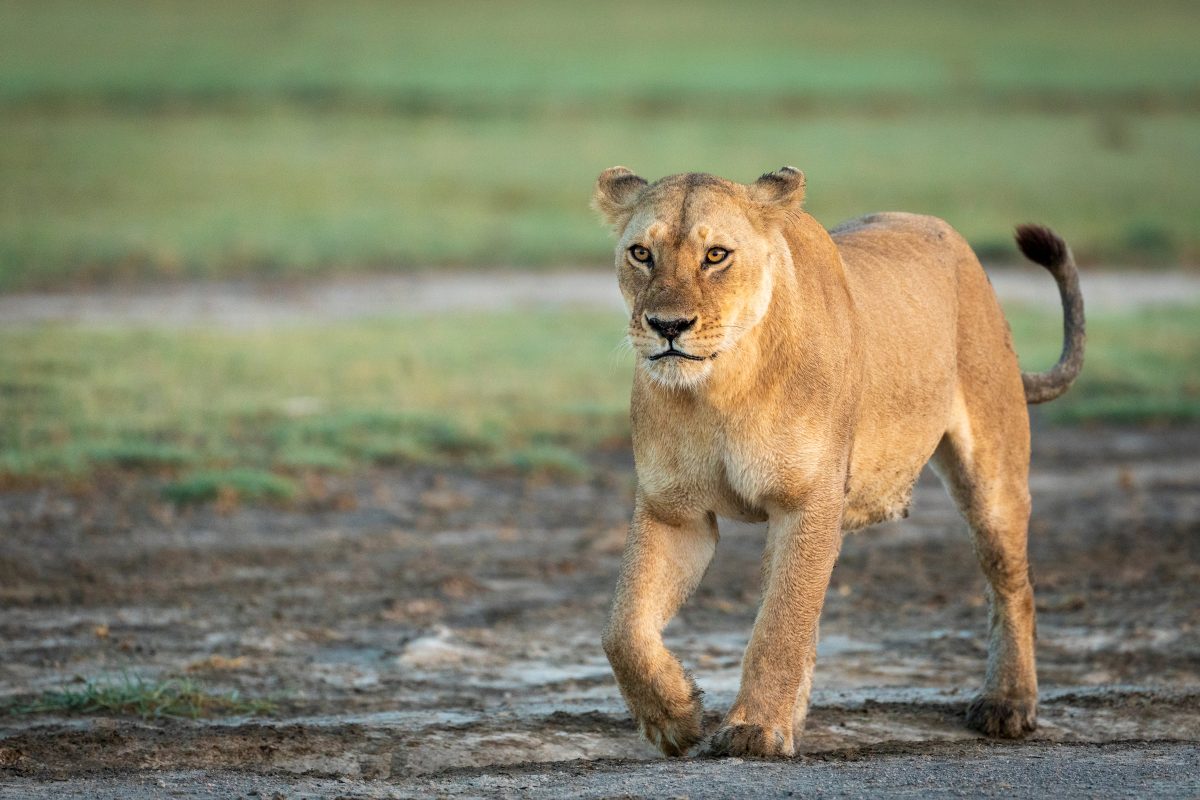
x,y
617,191
783,187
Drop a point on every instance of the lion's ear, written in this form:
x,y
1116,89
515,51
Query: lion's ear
x,y
617,190
783,187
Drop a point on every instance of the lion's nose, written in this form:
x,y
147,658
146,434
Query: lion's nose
x,y
670,328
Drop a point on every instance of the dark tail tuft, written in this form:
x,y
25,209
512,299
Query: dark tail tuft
x,y
1043,246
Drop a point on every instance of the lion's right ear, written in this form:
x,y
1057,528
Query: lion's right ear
x,y
617,190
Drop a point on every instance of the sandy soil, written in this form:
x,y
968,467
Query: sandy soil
x,y
433,634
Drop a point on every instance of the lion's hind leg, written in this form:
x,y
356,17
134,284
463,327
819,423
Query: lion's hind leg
x,y
984,462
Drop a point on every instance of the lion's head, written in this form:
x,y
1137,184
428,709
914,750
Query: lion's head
x,y
695,256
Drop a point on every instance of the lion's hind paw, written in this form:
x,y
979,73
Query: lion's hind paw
x,y
1004,719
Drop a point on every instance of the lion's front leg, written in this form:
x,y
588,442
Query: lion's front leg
x,y
663,562
778,664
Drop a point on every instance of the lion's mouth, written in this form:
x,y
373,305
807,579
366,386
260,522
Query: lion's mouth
x,y
671,352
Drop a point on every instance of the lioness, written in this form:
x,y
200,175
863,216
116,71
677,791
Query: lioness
x,y
802,377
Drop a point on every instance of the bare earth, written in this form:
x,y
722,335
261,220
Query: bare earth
x,y
438,634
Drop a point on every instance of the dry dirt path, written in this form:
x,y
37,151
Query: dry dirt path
x,y
433,634
258,305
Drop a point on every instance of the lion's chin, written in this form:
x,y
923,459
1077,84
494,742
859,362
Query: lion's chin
x,y
677,373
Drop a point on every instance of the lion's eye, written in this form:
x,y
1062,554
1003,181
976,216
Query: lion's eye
x,y
716,255
640,254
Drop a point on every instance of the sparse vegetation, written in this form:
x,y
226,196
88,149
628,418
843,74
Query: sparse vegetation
x,y
224,410
240,485
234,414
141,697
1141,367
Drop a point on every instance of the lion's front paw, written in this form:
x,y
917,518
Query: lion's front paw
x,y
674,736
1006,719
669,712
750,740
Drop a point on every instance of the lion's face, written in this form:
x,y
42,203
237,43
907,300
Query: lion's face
x,y
694,258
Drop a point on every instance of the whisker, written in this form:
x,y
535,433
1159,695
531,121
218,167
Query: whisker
x,y
620,349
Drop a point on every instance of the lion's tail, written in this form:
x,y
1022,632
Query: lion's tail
x,y
1043,246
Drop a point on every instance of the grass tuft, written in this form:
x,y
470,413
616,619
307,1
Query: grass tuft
x,y
548,459
148,699
238,485
382,437
134,454
309,457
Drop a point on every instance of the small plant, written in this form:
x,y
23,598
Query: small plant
x,y
137,696
235,484
548,459
135,454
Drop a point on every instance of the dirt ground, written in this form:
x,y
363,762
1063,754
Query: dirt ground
x,y
438,634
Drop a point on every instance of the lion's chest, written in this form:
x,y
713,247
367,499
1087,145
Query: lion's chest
x,y
740,471
724,470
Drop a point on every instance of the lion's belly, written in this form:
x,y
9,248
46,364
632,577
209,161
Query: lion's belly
x,y
886,459
881,496
730,506
903,273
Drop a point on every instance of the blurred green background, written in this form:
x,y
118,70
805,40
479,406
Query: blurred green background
x,y
162,138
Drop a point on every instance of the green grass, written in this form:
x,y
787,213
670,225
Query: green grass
x,y
98,195
242,484
1141,367
239,412
148,699
156,139
526,392
528,51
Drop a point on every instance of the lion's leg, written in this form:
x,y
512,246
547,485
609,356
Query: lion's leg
x,y
984,462
662,564
778,664
804,693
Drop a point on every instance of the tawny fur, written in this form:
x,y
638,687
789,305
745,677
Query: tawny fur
x,y
826,369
